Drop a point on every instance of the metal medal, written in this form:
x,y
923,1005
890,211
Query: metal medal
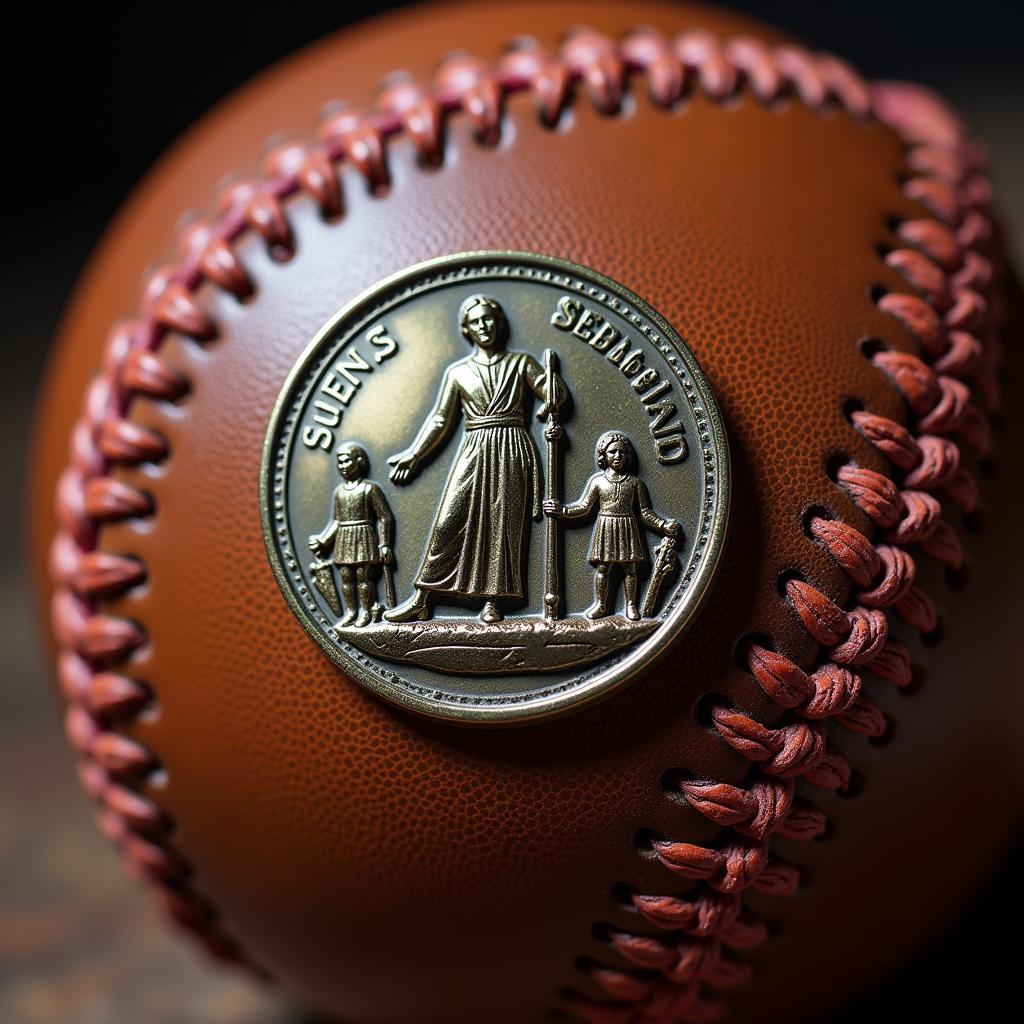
x,y
495,487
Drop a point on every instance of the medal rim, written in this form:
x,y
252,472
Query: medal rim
x,y
647,653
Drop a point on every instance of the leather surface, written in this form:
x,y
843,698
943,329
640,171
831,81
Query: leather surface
x,y
395,870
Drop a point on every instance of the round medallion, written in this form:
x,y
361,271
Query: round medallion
x,y
495,487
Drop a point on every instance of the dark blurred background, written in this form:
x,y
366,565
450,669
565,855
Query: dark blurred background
x,y
92,95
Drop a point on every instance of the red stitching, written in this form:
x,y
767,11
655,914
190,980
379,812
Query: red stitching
x,y
952,310
950,317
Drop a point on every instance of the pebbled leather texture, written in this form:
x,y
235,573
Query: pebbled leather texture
x,y
394,870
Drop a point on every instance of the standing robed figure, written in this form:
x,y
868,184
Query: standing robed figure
x,y
476,542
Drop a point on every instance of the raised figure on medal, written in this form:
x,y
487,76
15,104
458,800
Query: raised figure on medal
x,y
476,543
357,506
622,504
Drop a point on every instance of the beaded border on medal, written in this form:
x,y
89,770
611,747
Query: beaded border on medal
x,y
478,265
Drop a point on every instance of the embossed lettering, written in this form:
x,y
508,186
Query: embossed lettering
x,y
616,354
352,360
582,326
645,380
334,389
386,345
633,363
656,392
671,449
329,415
606,335
566,313
317,437
340,384
663,413
575,317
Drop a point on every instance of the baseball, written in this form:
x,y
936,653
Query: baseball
x,y
528,548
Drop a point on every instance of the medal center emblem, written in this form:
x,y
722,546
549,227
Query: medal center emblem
x,y
494,487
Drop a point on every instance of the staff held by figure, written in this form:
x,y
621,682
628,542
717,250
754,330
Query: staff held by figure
x,y
553,433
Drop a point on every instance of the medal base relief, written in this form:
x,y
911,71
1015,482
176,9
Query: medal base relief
x,y
494,487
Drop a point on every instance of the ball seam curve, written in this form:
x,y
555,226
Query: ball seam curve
x,y
950,262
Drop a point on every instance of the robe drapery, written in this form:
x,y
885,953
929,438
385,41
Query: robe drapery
x,y
476,543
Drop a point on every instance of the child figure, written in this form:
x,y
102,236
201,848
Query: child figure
x,y
619,496
356,505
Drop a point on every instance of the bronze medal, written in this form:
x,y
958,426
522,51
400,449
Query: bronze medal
x,y
495,487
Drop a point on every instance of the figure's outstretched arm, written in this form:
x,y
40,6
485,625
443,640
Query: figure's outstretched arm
x,y
579,509
441,419
651,519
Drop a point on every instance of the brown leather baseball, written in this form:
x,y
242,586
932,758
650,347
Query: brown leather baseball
x,y
733,829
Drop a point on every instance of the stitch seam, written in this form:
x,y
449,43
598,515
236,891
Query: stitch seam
x,y
670,975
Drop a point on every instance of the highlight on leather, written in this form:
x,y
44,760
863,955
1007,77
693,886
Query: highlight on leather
x,y
949,258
